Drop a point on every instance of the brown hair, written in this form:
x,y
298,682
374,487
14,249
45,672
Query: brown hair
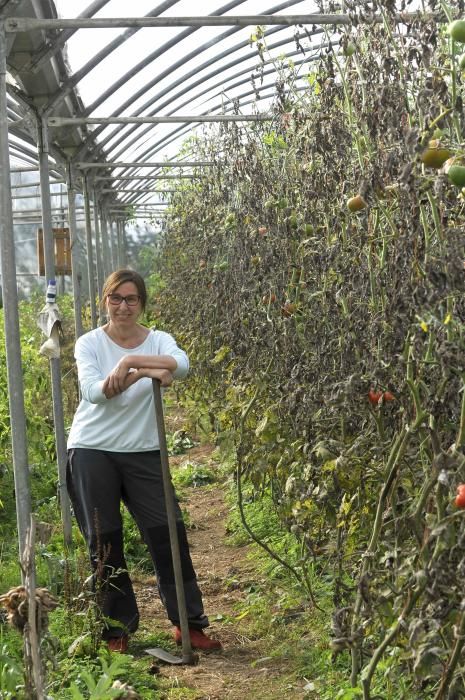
x,y
119,277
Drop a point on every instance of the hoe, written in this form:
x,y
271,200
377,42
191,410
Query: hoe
x,y
187,655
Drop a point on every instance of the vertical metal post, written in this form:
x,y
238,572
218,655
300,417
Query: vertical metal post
x,y
124,243
55,363
113,249
119,238
75,262
11,320
90,255
107,267
98,246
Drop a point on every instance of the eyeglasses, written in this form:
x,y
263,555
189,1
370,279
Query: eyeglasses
x,y
117,299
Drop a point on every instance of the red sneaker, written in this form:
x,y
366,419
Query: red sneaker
x,y
118,644
199,640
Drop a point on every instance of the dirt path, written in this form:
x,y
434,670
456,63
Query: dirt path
x,y
242,670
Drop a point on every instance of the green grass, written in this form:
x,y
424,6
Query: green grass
x,y
193,474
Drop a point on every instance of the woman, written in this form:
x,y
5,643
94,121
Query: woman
x,y
113,456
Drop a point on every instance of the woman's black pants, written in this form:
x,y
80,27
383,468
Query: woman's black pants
x,y
98,481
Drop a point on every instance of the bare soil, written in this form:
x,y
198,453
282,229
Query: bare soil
x,y
243,669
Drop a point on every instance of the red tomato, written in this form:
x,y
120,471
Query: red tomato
x,y
269,298
387,396
288,309
374,397
460,498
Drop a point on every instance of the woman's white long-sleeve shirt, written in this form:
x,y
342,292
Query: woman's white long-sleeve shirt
x,y
125,423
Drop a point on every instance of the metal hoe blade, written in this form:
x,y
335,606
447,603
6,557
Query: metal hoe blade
x,y
168,658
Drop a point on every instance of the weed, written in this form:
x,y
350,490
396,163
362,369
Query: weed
x,y
193,474
11,670
179,442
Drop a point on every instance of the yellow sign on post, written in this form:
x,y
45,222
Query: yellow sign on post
x,y
62,247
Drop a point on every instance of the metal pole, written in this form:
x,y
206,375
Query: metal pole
x,y
201,118
25,185
90,255
55,363
32,196
111,242
140,164
105,243
149,176
28,24
98,247
106,190
11,322
75,262
119,238
170,505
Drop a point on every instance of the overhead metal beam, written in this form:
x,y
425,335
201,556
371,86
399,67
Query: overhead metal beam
x,y
141,205
135,177
142,216
29,24
27,212
159,191
29,169
141,164
37,196
25,185
117,190
66,121
167,177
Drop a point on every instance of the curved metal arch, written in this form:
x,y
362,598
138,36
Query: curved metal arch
x,y
142,131
247,72
99,56
147,86
51,48
149,59
186,130
198,82
182,62
270,71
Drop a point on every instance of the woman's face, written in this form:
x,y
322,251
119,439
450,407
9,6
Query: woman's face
x,y
123,304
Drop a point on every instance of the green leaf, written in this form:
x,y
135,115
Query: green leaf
x,y
221,354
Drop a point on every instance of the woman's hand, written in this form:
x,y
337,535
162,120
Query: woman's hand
x,y
113,386
111,389
163,375
116,381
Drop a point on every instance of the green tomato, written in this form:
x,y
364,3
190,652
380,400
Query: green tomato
x,y
456,174
349,49
456,30
293,221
